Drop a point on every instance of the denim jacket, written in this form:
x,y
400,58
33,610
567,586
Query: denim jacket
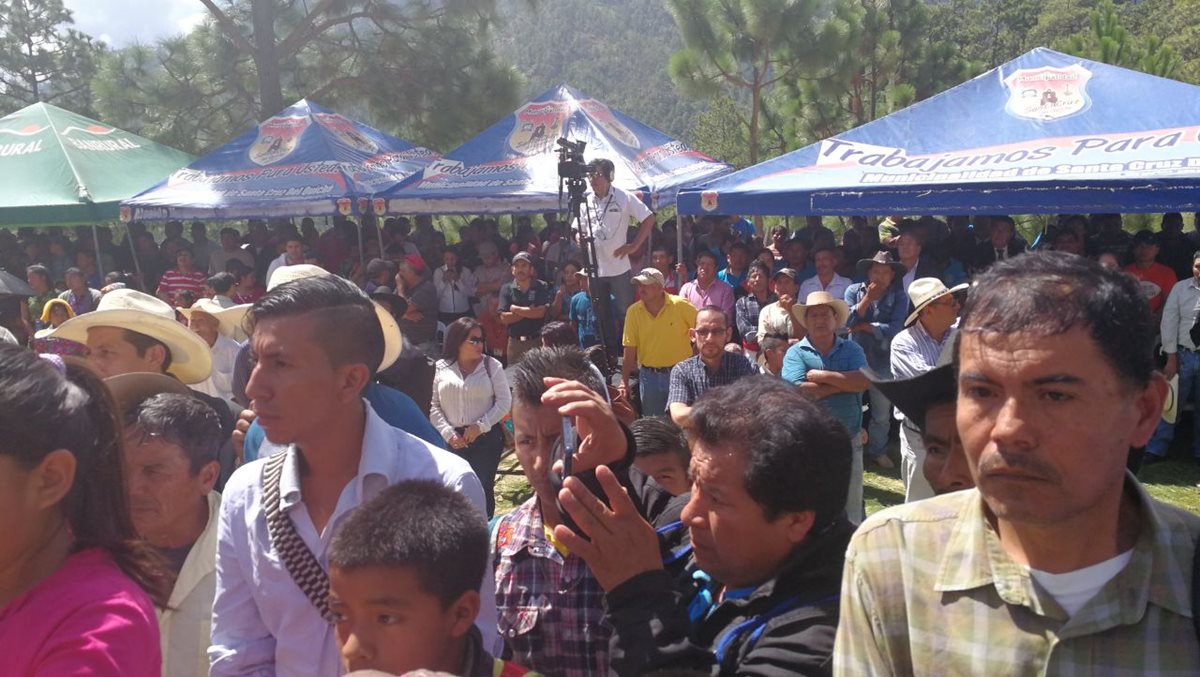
x,y
886,317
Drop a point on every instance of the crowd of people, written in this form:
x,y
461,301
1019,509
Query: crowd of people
x,y
278,453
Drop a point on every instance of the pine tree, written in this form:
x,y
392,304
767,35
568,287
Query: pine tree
x,y
42,58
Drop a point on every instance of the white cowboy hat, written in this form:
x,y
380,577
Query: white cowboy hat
x,y
228,317
393,340
926,290
822,298
1171,403
191,361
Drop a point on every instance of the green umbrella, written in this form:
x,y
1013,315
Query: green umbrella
x,y
62,168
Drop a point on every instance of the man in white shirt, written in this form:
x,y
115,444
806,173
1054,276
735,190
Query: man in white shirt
x,y
317,342
610,210
826,278
455,287
217,325
292,255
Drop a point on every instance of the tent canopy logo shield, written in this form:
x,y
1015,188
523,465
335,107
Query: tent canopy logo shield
x,y
346,132
604,117
1048,93
277,138
538,125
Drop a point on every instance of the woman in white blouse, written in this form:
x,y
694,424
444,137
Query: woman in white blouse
x,y
470,397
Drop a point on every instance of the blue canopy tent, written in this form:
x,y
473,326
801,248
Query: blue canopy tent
x,y
512,167
305,161
1044,133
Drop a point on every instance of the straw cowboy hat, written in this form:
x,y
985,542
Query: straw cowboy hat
x,y
1171,403
883,258
393,340
228,317
191,361
926,290
822,298
130,390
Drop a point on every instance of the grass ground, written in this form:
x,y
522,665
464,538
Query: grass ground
x,y
1173,481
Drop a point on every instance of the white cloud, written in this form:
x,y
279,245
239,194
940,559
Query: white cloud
x,y
123,22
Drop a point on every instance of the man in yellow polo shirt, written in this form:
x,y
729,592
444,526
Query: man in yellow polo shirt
x,y
655,339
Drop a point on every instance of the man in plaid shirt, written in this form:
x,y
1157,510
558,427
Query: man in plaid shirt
x,y
1059,562
551,611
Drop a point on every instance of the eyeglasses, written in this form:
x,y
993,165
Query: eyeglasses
x,y
477,340
705,333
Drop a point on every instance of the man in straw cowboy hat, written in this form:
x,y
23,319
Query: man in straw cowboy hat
x,y
914,352
318,342
219,326
826,367
131,332
877,310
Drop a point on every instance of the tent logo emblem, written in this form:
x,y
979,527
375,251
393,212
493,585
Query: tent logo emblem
x,y
27,130
1048,93
604,117
277,138
346,132
98,130
538,125
708,200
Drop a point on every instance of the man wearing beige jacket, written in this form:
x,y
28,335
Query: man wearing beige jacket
x,y
171,443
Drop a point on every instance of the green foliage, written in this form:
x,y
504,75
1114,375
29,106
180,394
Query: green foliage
x,y
43,59
1108,40
720,132
420,65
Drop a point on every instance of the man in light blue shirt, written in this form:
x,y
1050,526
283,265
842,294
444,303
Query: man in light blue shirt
x,y
317,342
826,367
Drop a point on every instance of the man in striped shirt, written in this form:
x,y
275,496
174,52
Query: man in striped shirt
x,y
1059,562
183,277
914,352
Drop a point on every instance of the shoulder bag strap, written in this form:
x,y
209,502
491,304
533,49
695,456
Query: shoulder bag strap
x,y
301,564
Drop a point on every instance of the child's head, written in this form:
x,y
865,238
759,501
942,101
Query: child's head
x,y
662,453
404,574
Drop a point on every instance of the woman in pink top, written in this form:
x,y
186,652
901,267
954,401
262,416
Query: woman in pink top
x,y
76,585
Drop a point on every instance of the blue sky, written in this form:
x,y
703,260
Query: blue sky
x,y
124,22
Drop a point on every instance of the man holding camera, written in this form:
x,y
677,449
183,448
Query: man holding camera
x,y
610,210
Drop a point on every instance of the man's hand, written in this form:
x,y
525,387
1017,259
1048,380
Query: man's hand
x,y
1172,366
625,250
601,439
622,544
457,442
875,291
238,437
818,376
862,327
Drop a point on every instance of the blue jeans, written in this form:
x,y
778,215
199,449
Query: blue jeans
x,y
621,288
880,423
654,386
1189,371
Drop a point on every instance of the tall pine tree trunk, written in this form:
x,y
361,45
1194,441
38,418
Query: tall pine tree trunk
x,y
270,91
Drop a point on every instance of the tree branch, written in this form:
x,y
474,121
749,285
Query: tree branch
x,y
228,27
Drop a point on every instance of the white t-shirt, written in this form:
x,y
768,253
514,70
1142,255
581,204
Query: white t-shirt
x,y
1073,589
611,217
837,287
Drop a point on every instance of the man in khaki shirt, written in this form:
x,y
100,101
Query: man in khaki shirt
x,y
1059,562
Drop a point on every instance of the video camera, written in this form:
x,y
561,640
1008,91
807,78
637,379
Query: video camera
x,y
570,160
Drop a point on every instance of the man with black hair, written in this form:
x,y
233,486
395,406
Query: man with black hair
x,y
610,210
318,342
231,250
171,445
416,553
183,277
550,606
293,253
221,285
766,519
1058,562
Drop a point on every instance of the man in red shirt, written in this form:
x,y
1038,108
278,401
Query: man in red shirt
x,y
1156,278
183,277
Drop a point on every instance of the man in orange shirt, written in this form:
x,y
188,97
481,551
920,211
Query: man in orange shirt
x,y
1149,272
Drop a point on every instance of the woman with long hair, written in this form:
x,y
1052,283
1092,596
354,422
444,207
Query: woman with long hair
x,y
470,398
77,586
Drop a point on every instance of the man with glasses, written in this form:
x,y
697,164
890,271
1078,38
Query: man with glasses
x,y
914,352
711,367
